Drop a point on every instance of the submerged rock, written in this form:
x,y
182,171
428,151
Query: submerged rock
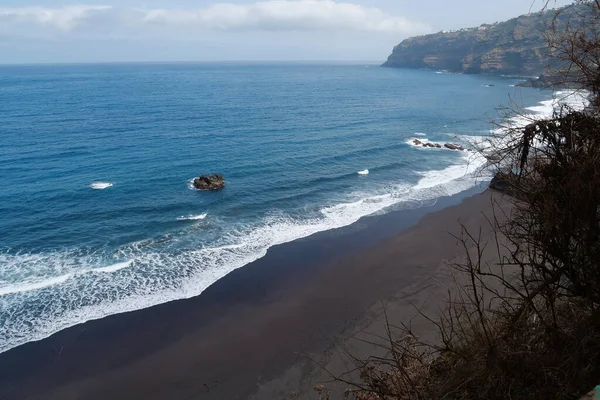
x,y
417,142
209,182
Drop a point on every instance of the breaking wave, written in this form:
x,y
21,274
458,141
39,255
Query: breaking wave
x,y
100,185
198,217
41,294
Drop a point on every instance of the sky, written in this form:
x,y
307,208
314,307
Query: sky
x,y
44,31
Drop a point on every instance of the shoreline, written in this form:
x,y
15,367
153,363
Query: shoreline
x,y
186,276
453,180
246,306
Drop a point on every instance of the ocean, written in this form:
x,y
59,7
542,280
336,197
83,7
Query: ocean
x,y
96,161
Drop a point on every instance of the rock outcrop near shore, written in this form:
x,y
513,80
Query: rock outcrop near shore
x,y
545,81
209,182
453,146
417,142
449,146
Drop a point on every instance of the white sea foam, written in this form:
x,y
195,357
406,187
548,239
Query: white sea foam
x,y
574,99
154,273
193,217
420,134
115,267
463,175
225,247
544,107
364,172
33,285
571,99
100,185
190,184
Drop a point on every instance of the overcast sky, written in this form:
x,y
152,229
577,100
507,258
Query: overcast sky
x,y
33,31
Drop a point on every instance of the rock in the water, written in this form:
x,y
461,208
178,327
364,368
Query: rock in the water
x,y
452,146
209,182
417,142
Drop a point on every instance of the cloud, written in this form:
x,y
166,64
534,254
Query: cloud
x,y
64,19
273,15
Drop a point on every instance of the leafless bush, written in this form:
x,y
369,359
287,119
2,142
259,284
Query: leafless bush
x,y
528,325
573,40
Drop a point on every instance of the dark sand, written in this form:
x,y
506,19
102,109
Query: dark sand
x,y
241,338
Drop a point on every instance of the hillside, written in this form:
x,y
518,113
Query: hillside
x,y
514,47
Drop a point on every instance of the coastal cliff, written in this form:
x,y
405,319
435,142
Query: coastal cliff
x,y
514,47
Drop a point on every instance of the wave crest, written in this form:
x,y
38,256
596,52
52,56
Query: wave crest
x,y
198,217
79,287
100,185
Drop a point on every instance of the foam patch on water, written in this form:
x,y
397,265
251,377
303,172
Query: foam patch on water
x,y
363,172
574,99
100,185
191,186
571,99
153,274
115,267
198,217
62,289
32,285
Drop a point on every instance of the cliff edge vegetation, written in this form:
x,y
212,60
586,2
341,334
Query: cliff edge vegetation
x,y
525,325
514,47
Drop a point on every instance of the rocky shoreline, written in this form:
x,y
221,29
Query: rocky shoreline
x,y
449,146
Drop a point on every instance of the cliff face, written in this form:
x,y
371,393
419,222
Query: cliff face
x,y
514,47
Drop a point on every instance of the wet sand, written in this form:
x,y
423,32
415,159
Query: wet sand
x,y
248,335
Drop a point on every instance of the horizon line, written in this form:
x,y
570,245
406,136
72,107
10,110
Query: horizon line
x,y
67,63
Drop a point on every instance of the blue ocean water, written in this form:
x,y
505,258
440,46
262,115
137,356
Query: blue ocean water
x,y
98,214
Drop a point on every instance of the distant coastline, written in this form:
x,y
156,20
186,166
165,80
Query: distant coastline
x,y
516,47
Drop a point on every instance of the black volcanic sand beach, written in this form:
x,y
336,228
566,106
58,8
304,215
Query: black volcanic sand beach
x,y
242,338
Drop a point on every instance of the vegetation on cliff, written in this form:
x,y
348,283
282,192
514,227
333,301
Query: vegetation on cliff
x,y
514,47
528,325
